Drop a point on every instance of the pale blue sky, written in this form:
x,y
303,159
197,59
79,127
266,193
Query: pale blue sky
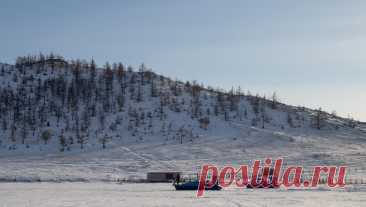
x,y
311,52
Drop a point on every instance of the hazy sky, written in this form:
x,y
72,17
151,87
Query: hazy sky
x,y
311,53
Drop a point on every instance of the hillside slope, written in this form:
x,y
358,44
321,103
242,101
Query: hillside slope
x,y
72,121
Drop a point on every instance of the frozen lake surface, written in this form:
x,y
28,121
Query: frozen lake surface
x,y
111,194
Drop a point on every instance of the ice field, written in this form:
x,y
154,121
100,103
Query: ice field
x,y
112,194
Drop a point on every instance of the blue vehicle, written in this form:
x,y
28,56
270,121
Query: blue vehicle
x,y
193,185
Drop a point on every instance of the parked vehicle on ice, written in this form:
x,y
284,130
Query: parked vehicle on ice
x,y
193,185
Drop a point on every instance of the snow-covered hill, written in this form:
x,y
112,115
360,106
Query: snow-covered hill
x,y
72,120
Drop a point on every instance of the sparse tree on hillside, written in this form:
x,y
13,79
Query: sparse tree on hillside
x,y
319,119
274,101
104,140
255,101
81,139
93,71
63,142
46,136
120,72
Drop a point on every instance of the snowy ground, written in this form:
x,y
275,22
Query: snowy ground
x,y
130,161
104,194
133,161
